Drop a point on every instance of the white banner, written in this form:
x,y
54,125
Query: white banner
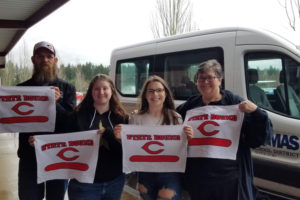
x,y
154,148
66,156
27,109
216,131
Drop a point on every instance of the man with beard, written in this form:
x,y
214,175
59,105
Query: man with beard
x,y
44,74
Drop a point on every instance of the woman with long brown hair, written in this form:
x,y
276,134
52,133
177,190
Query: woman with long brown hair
x,y
157,108
100,105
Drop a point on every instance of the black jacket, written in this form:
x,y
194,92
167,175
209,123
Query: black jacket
x,y
63,105
109,164
256,130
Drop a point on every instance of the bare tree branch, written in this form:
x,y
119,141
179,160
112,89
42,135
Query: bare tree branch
x,y
172,17
297,4
292,8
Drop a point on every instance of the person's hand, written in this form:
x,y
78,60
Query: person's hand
x,y
188,130
247,106
117,131
31,140
57,92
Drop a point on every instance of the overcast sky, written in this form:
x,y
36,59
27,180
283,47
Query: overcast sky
x,y
88,30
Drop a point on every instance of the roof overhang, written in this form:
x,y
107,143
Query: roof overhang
x,y
17,16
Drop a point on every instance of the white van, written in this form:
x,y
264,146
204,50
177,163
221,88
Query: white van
x,y
258,65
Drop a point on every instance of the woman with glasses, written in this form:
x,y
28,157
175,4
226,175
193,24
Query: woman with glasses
x,y
224,179
157,108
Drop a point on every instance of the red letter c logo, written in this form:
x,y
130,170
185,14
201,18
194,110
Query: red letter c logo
x,y
62,156
204,132
146,147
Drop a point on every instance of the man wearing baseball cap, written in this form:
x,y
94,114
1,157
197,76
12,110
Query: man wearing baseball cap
x,y
44,74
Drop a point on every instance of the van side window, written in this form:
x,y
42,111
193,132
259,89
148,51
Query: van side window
x,y
273,82
131,75
179,69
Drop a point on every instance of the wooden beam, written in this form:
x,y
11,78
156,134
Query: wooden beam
x,y
12,24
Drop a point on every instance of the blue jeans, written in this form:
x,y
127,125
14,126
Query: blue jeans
x,y
109,190
28,189
154,182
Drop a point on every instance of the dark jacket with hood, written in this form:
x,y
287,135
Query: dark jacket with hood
x,y
64,104
109,164
256,130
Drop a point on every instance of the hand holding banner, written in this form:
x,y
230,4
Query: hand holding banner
x,y
27,109
154,148
65,156
216,131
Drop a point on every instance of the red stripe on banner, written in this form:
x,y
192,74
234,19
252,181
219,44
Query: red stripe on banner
x,y
12,120
210,141
164,158
65,165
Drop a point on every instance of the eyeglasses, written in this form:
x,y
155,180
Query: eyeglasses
x,y
159,90
209,78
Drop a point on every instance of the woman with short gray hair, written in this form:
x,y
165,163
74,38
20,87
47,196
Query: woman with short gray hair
x,y
224,179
